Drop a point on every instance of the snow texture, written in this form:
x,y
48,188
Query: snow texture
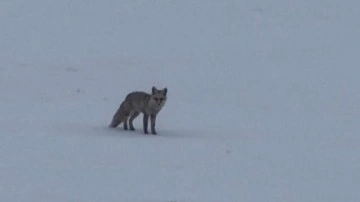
x,y
263,100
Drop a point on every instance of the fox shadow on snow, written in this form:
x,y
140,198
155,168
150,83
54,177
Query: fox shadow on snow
x,y
178,133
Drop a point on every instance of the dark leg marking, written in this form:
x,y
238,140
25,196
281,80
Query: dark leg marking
x,y
153,121
145,123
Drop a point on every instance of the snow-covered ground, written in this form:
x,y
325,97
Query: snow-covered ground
x,y
263,100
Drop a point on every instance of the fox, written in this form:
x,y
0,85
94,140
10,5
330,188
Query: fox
x,y
138,102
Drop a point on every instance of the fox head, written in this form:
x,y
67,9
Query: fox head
x,y
158,97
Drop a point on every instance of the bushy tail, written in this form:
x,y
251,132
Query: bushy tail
x,y
118,117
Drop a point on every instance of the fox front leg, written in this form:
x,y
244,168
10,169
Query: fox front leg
x,y
153,120
145,123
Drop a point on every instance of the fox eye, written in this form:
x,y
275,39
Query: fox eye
x,y
161,99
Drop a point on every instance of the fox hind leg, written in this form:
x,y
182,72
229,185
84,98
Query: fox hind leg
x,y
132,117
125,123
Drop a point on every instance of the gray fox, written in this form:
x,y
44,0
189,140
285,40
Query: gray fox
x,y
140,102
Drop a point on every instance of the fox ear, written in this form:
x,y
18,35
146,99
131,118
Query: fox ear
x,y
153,90
165,91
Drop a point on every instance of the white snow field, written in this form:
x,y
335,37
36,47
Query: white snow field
x,y
263,100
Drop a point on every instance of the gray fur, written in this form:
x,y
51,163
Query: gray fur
x,y
140,102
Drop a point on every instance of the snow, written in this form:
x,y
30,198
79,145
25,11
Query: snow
x,y
263,100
